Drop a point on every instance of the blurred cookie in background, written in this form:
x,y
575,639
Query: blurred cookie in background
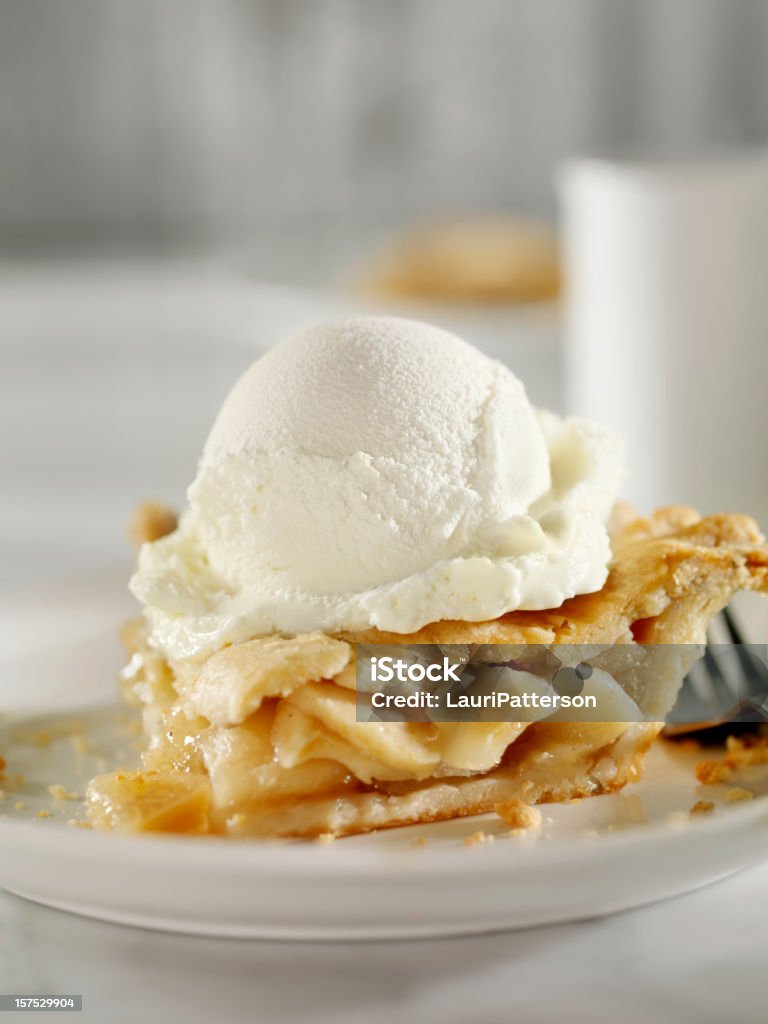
x,y
483,259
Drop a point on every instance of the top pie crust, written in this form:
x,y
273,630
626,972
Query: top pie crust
x,y
671,573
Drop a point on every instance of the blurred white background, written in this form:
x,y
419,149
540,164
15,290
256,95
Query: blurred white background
x,y
160,160
199,122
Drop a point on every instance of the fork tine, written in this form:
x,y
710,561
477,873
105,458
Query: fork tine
x,y
733,630
735,664
699,692
729,690
723,692
753,667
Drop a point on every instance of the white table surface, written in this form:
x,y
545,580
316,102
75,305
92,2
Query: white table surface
x,y
109,382
700,958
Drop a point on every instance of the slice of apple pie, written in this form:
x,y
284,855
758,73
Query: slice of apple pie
x,y
261,737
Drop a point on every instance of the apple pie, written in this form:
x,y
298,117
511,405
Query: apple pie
x,y
261,737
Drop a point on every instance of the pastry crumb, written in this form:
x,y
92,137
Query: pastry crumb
x,y
740,751
737,794
518,815
43,814
79,823
421,841
702,807
747,749
478,838
712,773
20,805
678,819
60,793
150,521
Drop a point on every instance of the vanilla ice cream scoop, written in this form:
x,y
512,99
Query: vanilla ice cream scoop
x,y
378,472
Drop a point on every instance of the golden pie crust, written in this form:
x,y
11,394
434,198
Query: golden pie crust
x,y
262,739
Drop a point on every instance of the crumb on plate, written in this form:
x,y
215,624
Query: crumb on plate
x,y
678,819
702,807
712,773
60,793
740,751
478,838
737,794
518,815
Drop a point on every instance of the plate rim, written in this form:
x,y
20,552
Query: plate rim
x,y
296,858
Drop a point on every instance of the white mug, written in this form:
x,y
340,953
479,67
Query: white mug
x,y
667,324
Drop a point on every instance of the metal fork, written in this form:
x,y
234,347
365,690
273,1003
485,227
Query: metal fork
x,y
722,696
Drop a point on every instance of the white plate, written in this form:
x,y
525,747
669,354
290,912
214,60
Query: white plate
x,y
592,858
